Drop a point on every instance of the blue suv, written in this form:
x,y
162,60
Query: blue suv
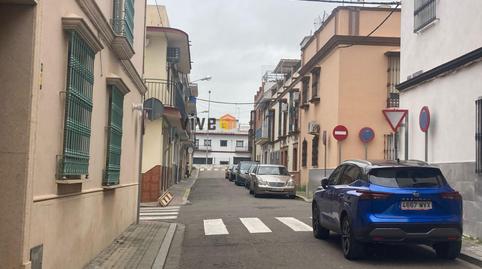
x,y
393,202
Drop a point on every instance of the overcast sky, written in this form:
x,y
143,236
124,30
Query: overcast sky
x,y
235,41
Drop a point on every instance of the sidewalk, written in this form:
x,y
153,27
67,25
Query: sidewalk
x,y
147,244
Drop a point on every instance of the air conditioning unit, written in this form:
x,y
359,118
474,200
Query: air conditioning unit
x,y
313,128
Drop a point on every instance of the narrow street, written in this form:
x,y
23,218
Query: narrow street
x,y
277,235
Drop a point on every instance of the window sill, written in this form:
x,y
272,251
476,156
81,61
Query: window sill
x,y
427,25
69,181
315,100
111,187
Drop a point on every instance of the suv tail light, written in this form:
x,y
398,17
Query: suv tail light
x,y
451,195
371,195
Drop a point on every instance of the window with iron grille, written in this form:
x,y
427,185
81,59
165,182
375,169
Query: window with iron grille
x,y
306,82
424,13
114,137
393,72
315,77
314,151
173,55
304,153
223,143
123,21
389,147
239,143
478,136
207,142
74,161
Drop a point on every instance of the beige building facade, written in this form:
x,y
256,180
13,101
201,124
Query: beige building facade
x,y
71,75
347,77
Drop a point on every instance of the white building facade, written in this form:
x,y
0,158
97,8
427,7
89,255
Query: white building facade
x,y
441,68
221,147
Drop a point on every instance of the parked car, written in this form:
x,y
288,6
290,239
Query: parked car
x,y
228,172
388,202
251,169
272,179
241,169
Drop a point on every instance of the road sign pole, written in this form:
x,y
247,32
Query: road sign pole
x,y
325,138
366,151
339,152
426,146
396,146
406,138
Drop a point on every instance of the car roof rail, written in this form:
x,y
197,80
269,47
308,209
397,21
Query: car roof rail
x,y
358,161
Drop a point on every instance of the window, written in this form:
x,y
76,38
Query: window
x,y
223,143
207,142
114,137
306,81
350,175
314,151
403,177
74,161
280,113
314,82
424,13
239,143
295,159
389,147
123,21
272,170
334,178
304,153
393,79
196,145
478,136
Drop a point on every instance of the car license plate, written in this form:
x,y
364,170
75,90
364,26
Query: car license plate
x,y
416,205
276,189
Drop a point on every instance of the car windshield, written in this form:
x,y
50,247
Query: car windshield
x,y
407,177
272,170
244,166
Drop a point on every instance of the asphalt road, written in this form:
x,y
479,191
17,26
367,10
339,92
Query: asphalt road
x,y
214,198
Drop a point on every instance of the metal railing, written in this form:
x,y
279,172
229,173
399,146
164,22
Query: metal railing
x,y
159,89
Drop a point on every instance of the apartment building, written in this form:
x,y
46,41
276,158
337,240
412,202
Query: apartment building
x,y
349,69
226,144
276,118
70,146
444,75
169,101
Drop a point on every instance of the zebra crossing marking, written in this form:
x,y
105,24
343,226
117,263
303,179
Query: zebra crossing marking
x,y
214,227
255,225
159,213
295,224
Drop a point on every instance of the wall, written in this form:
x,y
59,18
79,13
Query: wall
x,y
74,222
219,153
17,29
153,144
455,33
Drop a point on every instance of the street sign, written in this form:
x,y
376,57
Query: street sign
x,y
324,137
366,135
395,117
340,132
424,119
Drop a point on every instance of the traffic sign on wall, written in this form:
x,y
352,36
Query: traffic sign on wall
x,y
366,135
340,132
424,119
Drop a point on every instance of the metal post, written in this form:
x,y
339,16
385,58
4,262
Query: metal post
x,y
406,137
207,128
396,147
366,150
426,146
339,152
325,160
139,193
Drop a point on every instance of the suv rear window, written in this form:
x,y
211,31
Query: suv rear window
x,y
407,177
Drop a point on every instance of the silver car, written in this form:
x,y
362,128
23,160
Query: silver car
x,y
272,179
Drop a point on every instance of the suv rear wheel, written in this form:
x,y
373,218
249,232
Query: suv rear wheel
x,y
448,250
352,249
318,231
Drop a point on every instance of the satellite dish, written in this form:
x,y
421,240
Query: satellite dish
x,y
154,108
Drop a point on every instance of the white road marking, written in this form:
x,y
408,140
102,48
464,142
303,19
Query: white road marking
x,y
214,227
158,213
158,208
295,224
255,225
158,218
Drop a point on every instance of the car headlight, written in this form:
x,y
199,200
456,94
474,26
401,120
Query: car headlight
x,y
262,182
290,183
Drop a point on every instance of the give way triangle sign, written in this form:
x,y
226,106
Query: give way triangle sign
x,y
395,117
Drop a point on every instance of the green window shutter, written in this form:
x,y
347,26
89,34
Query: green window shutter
x,y
78,109
114,140
123,19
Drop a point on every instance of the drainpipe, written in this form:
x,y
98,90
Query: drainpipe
x,y
141,146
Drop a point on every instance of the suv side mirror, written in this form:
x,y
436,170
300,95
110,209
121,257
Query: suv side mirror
x,y
324,182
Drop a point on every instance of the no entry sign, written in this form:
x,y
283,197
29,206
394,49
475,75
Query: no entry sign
x,y
424,119
340,132
366,135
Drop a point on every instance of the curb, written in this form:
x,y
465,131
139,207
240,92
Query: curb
x,y
470,259
303,198
164,249
187,192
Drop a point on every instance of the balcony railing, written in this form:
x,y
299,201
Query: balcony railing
x,y
159,89
393,100
123,21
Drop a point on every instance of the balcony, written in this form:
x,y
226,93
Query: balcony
x,y
243,149
123,25
261,136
